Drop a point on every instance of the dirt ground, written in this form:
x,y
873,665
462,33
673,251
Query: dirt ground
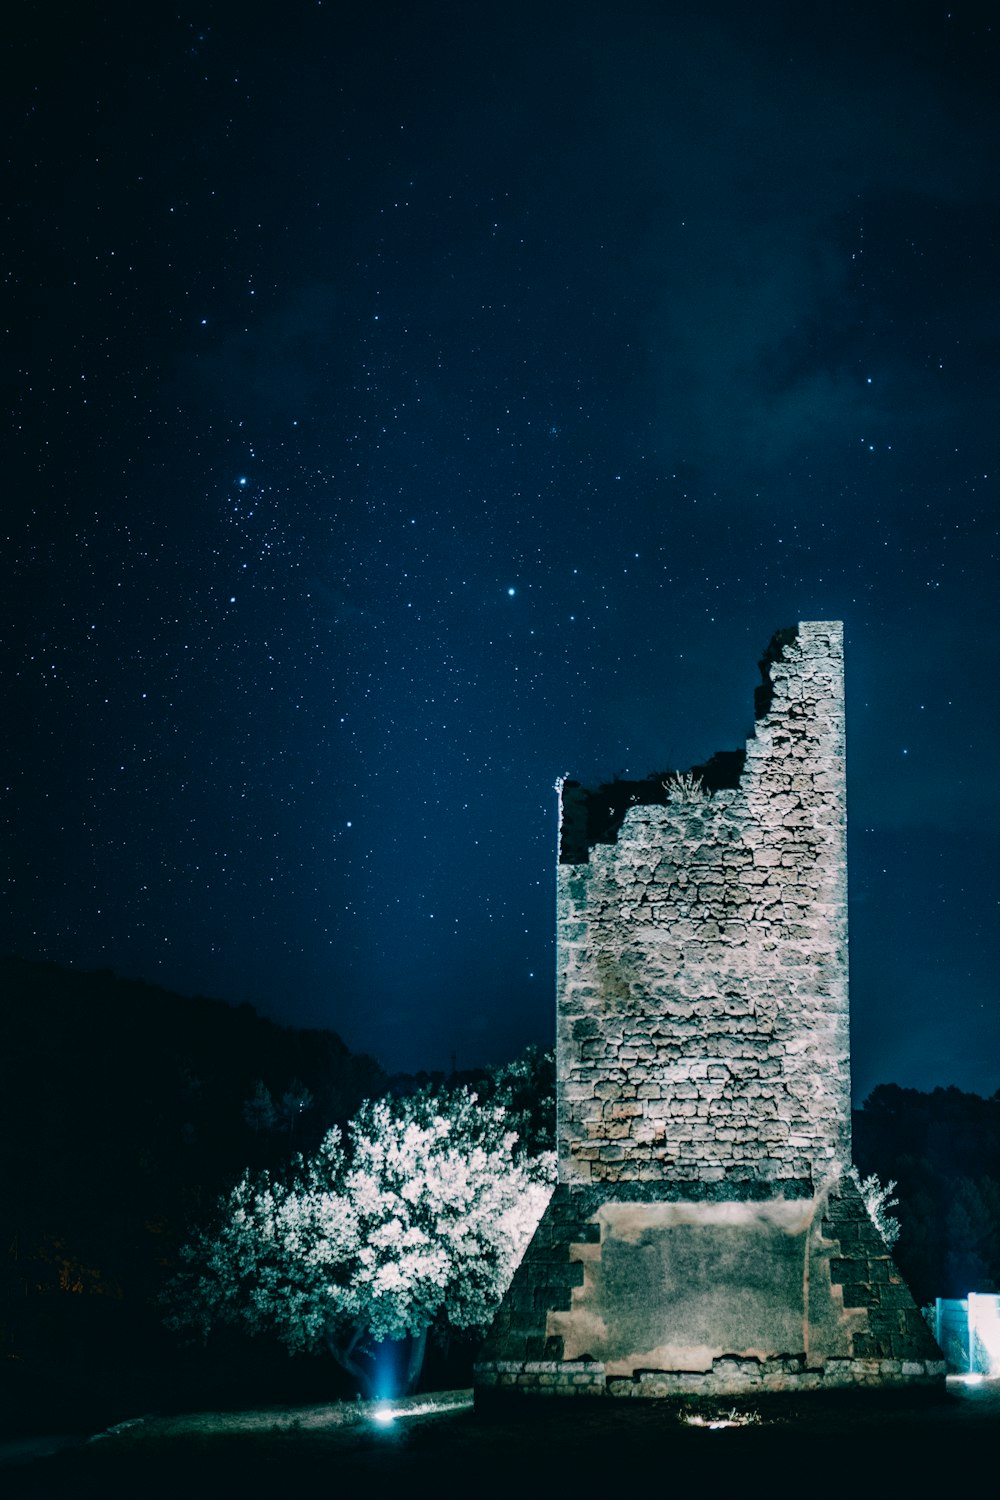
x,y
857,1444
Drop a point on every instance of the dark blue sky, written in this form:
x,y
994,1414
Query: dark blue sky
x,y
413,403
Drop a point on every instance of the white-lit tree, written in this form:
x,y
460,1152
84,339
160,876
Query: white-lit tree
x,y
879,1203
419,1221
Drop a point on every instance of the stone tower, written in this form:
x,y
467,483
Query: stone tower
x,y
704,1236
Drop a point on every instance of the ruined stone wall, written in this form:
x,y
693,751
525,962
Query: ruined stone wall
x,y
704,1237
702,1006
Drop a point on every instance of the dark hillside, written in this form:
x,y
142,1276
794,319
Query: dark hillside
x,y
124,1111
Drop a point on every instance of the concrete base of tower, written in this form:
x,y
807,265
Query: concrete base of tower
x,y
659,1293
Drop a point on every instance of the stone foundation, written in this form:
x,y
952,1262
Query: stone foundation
x,y
665,1297
728,1377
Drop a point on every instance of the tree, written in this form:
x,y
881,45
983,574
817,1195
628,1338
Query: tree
x,y
296,1101
418,1224
526,1090
972,1228
259,1112
938,1145
878,1201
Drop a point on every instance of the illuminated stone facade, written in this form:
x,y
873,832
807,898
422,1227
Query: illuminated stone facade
x,y
704,1236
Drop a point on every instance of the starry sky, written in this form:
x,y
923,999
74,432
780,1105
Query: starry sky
x,y
413,403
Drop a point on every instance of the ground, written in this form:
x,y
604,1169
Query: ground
x,y
586,1447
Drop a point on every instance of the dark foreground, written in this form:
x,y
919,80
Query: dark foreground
x,y
593,1448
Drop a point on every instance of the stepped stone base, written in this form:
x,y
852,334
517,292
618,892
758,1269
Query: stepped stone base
x,y
659,1290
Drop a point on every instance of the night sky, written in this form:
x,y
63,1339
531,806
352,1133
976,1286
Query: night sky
x,y
413,403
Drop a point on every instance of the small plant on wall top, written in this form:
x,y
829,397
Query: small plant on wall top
x,y
685,786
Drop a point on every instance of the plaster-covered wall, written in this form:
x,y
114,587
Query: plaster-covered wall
x,y
679,1286
702,1005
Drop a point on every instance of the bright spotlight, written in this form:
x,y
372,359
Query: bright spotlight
x,y
984,1333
